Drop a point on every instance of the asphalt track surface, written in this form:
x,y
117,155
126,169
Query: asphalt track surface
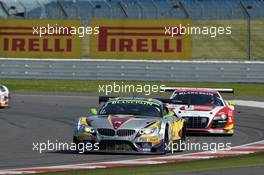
x,y
34,117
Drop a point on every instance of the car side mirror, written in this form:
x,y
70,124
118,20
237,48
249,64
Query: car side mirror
x,y
169,114
93,111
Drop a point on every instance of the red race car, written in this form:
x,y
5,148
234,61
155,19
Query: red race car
x,y
204,109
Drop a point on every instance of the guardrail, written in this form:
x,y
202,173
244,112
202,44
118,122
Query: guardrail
x,y
175,71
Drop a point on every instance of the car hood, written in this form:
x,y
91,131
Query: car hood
x,y
121,121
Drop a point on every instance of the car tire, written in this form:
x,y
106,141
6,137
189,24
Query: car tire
x,y
229,135
184,131
162,148
166,140
78,148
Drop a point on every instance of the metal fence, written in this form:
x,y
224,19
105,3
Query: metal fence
x,y
174,71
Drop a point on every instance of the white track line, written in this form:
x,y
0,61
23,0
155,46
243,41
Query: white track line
x,y
142,161
255,104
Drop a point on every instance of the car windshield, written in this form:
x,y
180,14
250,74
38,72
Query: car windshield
x,y
198,98
132,107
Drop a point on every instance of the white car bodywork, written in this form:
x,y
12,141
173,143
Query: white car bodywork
x,y
4,96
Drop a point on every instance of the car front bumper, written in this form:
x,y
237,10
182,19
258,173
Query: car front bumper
x,y
4,103
121,144
215,131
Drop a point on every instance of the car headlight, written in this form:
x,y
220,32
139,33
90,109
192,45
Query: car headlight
x,y
148,131
89,129
220,117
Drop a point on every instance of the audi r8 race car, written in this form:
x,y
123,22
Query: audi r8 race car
x,y
204,110
4,96
131,125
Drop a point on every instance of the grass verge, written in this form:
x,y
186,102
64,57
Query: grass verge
x,y
92,86
255,159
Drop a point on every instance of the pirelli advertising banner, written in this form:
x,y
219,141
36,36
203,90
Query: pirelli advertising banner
x,y
140,39
39,38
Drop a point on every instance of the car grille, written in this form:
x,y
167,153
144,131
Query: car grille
x,y
196,122
106,132
125,132
120,132
116,145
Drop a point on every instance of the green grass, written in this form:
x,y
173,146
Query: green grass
x,y
90,86
255,159
258,39
229,47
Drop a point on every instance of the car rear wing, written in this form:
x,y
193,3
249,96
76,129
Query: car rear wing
x,y
103,99
220,90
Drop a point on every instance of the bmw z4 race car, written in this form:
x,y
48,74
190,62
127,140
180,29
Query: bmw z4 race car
x,y
4,96
204,110
131,125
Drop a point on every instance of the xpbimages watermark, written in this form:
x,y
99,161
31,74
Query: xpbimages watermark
x,y
212,31
81,31
64,146
122,87
196,146
185,146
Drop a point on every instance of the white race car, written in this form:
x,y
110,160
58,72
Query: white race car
x,y
4,96
204,109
